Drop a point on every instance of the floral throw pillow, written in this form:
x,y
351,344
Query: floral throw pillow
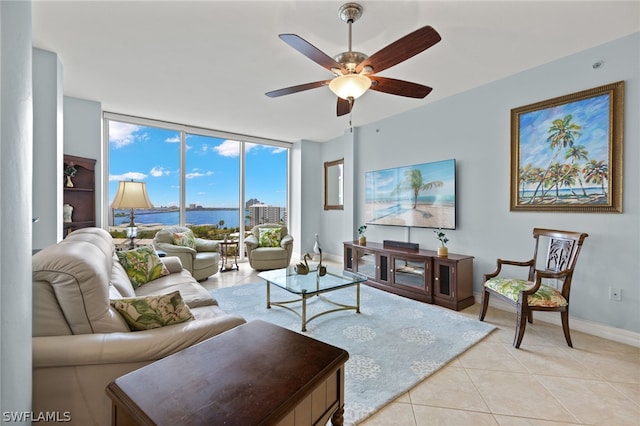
x,y
184,239
270,237
142,265
145,313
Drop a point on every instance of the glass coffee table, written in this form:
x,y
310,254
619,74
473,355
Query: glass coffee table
x,y
310,285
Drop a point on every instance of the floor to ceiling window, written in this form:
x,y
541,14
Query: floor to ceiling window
x,y
218,184
212,182
151,155
265,184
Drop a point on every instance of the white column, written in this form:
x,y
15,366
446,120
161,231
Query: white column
x,y
16,125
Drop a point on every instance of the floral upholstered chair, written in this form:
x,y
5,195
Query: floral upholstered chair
x,y
531,294
269,246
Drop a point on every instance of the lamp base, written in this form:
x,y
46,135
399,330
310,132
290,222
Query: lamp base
x,y
131,245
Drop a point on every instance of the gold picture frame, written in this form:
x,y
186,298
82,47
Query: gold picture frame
x,y
566,152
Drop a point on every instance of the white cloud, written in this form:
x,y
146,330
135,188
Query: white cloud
x,y
159,171
123,134
196,174
175,139
127,176
229,148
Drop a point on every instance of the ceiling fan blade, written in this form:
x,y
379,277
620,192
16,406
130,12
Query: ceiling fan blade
x,y
311,52
399,87
401,49
296,89
344,106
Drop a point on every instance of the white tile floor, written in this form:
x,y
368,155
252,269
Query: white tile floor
x,y
543,383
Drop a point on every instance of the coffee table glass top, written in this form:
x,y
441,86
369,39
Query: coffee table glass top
x,y
311,283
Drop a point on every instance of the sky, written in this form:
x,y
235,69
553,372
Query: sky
x,y
592,114
152,155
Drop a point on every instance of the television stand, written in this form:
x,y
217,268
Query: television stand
x,y
416,274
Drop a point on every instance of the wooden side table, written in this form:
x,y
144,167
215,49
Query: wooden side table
x,y
228,262
255,374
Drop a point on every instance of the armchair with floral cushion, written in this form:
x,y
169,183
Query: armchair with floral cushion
x,y
269,246
199,256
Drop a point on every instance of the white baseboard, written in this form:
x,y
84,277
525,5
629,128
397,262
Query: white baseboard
x,y
585,326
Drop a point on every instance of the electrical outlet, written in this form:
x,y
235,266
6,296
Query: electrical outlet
x,y
615,294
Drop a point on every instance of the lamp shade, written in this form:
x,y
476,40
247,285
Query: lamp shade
x,y
131,195
350,85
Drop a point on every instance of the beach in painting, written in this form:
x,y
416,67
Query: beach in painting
x,y
426,215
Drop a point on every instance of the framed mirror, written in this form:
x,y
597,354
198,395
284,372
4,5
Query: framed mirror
x,y
334,185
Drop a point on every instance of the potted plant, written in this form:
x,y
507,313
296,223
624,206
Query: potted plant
x,y
69,172
362,239
443,251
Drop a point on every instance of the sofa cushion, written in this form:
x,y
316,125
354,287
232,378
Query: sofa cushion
x,y
184,239
270,237
145,313
193,294
71,284
142,265
120,279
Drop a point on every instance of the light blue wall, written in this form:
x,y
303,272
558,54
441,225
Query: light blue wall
x,y
83,138
47,147
474,128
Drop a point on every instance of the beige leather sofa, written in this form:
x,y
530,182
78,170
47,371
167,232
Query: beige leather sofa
x,y
202,262
81,344
263,258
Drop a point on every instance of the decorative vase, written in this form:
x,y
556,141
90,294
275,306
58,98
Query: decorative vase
x,y
362,240
69,183
67,211
443,251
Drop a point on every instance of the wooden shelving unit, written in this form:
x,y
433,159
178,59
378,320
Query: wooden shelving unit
x,y
82,195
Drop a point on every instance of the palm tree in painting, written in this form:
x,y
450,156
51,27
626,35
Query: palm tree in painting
x,y
551,180
596,172
562,134
529,175
575,153
413,180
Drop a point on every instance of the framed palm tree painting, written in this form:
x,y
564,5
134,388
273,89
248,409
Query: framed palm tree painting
x,y
566,152
421,195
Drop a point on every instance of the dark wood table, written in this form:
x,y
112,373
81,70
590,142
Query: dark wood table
x,y
255,374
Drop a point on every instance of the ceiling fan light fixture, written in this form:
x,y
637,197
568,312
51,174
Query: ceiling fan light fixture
x,y
350,86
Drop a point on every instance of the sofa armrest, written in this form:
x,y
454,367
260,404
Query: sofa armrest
x,y
207,245
287,240
172,249
173,263
251,242
135,346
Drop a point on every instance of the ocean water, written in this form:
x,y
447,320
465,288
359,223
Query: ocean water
x,y
231,217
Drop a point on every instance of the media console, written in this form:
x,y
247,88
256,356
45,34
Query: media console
x,y
417,274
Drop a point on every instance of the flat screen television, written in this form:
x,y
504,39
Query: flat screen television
x,y
422,196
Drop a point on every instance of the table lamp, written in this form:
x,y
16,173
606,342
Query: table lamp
x,y
131,195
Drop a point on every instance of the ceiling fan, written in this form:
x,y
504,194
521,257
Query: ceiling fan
x,y
355,72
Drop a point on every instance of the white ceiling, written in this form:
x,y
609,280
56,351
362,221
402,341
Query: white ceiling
x,y
209,63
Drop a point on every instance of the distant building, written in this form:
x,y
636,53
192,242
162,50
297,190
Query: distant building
x,y
251,202
262,213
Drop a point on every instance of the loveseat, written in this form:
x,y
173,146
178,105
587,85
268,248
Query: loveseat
x,y
81,342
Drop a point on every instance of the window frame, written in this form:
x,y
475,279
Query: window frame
x,y
183,130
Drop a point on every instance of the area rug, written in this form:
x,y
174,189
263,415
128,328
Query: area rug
x,y
393,344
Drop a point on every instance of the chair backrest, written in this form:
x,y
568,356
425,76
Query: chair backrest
x,y
166,235
561,255
256,229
